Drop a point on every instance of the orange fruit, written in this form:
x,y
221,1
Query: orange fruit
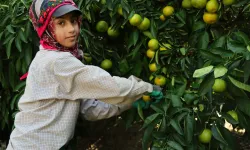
x,y
145,24
102,26
205,136
152,67
233,114
219,85
119,10
210,18
228,2
212,6
160,80
162,17
168,11
146,98
199,3
186,4
135,20
150,53
113,33
106,64
153,44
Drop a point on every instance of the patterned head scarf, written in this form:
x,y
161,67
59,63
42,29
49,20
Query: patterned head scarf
x,y
41,14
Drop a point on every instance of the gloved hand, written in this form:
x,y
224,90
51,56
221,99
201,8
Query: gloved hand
x,y
156,96
157,88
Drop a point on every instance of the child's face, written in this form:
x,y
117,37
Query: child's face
x,y
67,29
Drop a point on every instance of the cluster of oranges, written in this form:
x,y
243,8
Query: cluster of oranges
x,y
212,6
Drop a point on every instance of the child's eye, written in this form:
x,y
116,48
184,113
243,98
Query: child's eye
x,y
74,21
61,23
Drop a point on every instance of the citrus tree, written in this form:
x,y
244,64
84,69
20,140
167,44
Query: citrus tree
x,y
198,51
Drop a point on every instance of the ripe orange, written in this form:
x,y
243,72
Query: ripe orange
x,y
233,114
205,136
210,18
168,11
152,67
219,85
150,53
160,80
186,4
199,3
102,26
212,6
162,17
146,98
135,20
145,24
113,33
153,44
106,64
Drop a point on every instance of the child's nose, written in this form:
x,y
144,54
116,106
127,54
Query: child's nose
x,y
71,27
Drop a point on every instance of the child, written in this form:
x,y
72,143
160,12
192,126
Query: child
x,y
58,81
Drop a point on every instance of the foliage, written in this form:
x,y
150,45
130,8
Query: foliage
x,y
195,55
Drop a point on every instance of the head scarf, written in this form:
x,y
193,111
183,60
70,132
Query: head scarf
x,y
41,12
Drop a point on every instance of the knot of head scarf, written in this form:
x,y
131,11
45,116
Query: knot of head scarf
x,y
41,12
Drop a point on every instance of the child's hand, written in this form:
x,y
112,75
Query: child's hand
x,y
156,96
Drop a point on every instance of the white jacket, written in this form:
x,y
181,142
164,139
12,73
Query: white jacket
x,y
56,84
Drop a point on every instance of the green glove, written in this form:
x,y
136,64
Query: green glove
x,y
156,95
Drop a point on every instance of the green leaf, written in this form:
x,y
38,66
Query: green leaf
x,y
229,118
203,40
217,134
150,119
176,126
8,50
206,84
10,29
220,71
18,44
202,71
157,109
239,84
210,56
246,71
153,28
236,47
148,34
19,86
12,75
176,100
123,66
175,145
219,43
178,138
181,15
28,54
198,26
22,36
222,52
147,137
243,37
133,38
140,112
188,128
244,105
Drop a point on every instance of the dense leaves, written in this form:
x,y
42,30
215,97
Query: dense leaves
x,y
191,55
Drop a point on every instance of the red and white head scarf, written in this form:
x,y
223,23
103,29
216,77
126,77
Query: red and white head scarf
x,y
41,12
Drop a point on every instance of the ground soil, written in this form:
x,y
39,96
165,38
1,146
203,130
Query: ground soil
x,y
110,134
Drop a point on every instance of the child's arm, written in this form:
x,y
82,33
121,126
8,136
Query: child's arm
x,y
93,110
79,81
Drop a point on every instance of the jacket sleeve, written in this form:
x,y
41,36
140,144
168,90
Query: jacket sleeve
x,y
79,81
